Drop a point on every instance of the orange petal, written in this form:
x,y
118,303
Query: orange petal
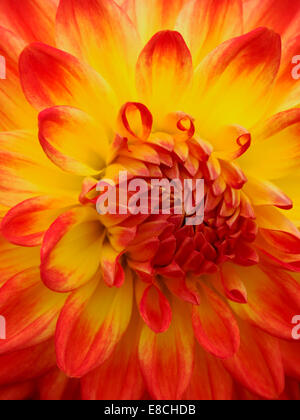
x,y
244,67
135,122
154,307
210,381
27,364
286,89
198,17
15,112
25,224
273,14
119,378
18,392
9,254
291,358
234,287
80,26
70,254
264,193
273,300
112,270
32,20
30,309
152,16
63,132
258,365
51,77
215,326
56,386
164,71
167,359
91,324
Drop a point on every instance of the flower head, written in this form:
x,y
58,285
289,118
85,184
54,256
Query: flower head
x,y
130,306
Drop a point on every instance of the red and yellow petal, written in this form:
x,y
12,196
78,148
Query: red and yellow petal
x,y
26,223
15,112
206,24
123,366
273,300
51,77
210,381
101,33
32,20
56,386
30,310
63,134
244,67
167,359
25,171
70,255
273,14
91,324
214,325
258,364
269,139
25,365
164,71
9,254
152,16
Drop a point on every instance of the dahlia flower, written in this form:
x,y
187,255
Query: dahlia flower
x,y
145,306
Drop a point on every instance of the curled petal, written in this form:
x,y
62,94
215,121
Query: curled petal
x,y
135,121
